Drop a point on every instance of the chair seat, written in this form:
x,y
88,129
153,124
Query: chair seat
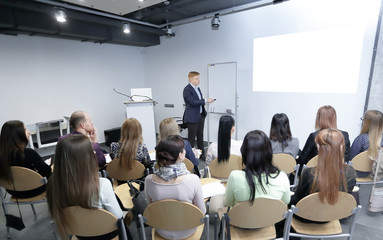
x,y
40,197
196,235
123,194
332,227
364,179
247,234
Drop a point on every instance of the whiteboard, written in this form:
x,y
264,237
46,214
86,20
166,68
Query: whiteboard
x,y
222,86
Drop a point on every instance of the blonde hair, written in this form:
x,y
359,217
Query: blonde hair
x,y
131,137
168,127
75,180
373,126
193,74
329,173
326,118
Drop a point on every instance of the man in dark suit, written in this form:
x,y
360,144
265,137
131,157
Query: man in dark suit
x,y
195,112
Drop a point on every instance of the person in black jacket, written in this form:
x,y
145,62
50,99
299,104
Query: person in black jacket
x,y
326,118
13,152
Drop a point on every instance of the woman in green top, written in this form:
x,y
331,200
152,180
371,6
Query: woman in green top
x,y
260,178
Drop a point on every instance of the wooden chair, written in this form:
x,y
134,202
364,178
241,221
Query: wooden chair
x,y
311,208
115,171
223,170
287,163
255,221
189,165
92,223
173,215
313,162
24,179
363,163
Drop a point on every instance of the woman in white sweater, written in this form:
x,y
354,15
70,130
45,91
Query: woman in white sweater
x,y
225,145
173,181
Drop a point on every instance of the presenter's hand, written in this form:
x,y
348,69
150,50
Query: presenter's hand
x,y
210,100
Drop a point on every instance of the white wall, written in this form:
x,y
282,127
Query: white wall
x,y
45,78
196,45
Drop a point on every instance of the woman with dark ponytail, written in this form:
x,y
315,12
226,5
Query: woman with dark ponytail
x,y
173,181
260,178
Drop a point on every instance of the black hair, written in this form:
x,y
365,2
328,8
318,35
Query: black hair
x,y
280,129
257,157
226,123
13,141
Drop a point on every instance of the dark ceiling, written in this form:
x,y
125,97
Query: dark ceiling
x,y
36,18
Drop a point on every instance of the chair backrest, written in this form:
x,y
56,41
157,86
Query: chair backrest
x,y
24,179
223,169
115,170
362,162
284,162
189,165
313,162
89,222
263,213
311,208
173,215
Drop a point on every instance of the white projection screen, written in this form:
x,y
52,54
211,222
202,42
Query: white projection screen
x,y
321,61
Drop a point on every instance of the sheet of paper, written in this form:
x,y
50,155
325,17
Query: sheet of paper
x,y
141,94
213,189
107,158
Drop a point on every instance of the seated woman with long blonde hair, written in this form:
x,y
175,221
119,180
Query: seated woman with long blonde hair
x,y
75,182
370,138
131,146
331,175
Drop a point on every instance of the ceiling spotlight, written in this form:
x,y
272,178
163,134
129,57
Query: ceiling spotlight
x,y
60,15
215,22
169,31
126,28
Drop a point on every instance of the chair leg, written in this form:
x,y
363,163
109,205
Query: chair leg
x,y
33,209
8,233
216,227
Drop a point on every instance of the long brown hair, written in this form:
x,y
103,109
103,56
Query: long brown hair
x,y
373,126
329,173
131,137
13,141
75,180
326,118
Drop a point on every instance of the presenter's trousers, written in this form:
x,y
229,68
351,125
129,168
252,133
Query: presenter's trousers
x,y
196,129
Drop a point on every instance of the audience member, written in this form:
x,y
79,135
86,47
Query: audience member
x,y
173,181
326,118
280,136
131,146
75,182
370,138
14,152
168,127
331,175
260,179
225,145
82,124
